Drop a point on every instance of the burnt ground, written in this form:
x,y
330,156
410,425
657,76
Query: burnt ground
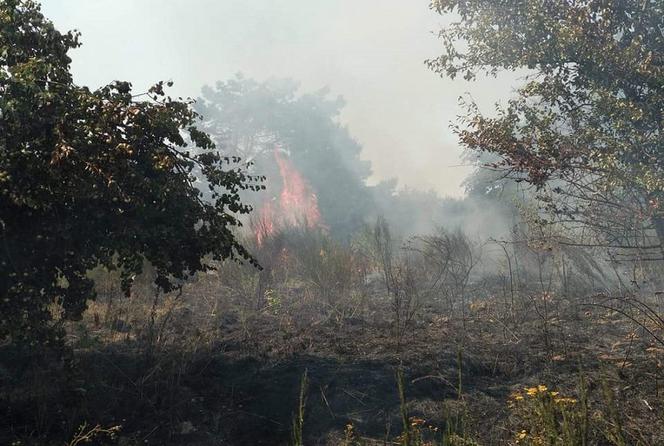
x,y
240,384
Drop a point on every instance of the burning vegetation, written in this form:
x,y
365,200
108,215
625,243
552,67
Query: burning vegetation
x,y
296,205
135,307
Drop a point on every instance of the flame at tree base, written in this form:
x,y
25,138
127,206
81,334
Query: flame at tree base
x,y
295,206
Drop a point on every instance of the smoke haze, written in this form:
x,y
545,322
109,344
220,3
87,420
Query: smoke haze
x,y
369,52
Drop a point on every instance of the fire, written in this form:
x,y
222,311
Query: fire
x,y
295,206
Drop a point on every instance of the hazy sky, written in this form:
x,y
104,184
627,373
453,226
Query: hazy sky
x,y
369,51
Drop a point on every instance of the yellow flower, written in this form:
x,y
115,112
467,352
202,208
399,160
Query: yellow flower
x,y
516,396
542,388
565,401
531,391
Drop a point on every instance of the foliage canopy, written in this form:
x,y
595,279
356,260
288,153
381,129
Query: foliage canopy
x,y
91,177
587,125
252,118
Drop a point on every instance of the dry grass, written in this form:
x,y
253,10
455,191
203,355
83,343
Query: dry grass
x,y
220,361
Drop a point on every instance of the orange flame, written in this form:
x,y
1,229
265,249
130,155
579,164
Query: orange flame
x,y
297,204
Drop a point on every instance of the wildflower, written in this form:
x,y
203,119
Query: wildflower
x,y
516,396
564,401
531,391
521,436
542,388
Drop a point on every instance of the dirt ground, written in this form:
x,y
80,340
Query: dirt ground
x,y
210,373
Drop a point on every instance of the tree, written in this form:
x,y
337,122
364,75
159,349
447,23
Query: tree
x,y
97,177
252,118
586,128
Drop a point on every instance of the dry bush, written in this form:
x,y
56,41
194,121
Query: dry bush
x,y
450,259
524,312
400,272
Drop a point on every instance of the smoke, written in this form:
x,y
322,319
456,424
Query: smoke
x,y
369,52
